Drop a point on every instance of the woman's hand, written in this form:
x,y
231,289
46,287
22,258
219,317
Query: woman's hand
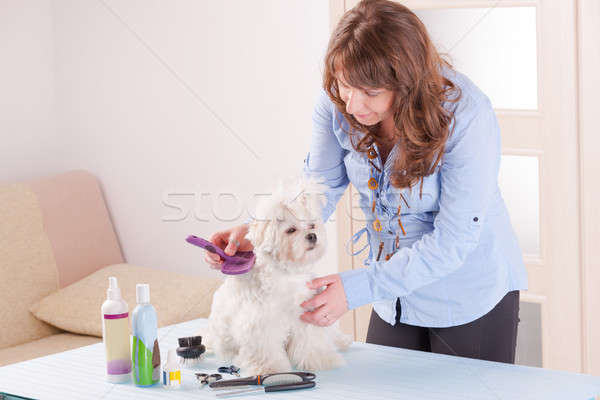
x,y
329,305
230,241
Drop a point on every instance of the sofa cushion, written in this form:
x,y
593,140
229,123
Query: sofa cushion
x,y
45,346
176,297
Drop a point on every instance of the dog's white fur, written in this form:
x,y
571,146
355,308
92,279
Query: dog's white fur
x,y
255,317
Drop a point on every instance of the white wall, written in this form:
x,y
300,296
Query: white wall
x,y
179,97
28,142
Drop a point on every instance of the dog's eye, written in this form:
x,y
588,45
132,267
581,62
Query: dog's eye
x,y
311,226
291,230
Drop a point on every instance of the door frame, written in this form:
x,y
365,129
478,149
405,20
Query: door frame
x,y
588,65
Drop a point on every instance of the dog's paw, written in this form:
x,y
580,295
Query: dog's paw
x,y
321,362
263,369
342,341
249,370
206,340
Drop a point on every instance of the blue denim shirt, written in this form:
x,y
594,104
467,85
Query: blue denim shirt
x,y
460,255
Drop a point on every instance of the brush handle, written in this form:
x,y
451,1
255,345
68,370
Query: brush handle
x,y
240,263
206,245
291,386
237,258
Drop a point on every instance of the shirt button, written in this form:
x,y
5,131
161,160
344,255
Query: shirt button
x,y
475,219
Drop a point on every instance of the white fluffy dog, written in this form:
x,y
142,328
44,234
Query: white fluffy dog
x,y
255,317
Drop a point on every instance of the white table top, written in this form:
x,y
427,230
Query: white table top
x,y
373,372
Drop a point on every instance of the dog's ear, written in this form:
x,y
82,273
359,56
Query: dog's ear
x,y
262,235
314,193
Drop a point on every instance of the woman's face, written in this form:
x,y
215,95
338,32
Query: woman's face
x,y
369,106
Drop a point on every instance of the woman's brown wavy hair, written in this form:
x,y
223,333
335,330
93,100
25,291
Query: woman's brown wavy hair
x,y
382,44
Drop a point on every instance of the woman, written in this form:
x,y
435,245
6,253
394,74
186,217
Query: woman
x,y
421,144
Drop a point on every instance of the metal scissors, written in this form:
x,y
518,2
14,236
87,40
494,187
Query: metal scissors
x,y
270,382
207,379
232,369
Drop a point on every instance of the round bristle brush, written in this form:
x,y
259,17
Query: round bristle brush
x,y
190,350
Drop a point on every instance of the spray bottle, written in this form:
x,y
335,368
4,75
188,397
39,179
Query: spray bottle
x,y
115,334
145,354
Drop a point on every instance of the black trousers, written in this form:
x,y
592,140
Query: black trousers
x,y
492,337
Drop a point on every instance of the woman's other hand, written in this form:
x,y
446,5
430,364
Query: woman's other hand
x,y
328,306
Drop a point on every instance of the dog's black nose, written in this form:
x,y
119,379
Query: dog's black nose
x,y
311,237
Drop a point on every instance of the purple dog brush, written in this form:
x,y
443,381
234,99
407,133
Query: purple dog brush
x,y
239,263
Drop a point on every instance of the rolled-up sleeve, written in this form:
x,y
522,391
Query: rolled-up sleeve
x,y
325,157
468,179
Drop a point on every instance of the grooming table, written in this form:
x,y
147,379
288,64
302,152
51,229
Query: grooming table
x,y
372,372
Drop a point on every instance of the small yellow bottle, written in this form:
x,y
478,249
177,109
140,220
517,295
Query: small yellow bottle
x,y
172,371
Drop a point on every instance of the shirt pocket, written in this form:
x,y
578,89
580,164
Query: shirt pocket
x,y
359,172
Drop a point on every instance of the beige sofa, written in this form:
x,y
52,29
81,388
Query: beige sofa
x,y
56,239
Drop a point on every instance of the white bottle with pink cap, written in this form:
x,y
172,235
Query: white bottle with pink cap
x,y
115,334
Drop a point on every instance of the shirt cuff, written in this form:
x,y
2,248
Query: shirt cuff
x,y
357,288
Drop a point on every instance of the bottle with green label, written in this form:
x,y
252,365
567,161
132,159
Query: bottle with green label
x,y
145,354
